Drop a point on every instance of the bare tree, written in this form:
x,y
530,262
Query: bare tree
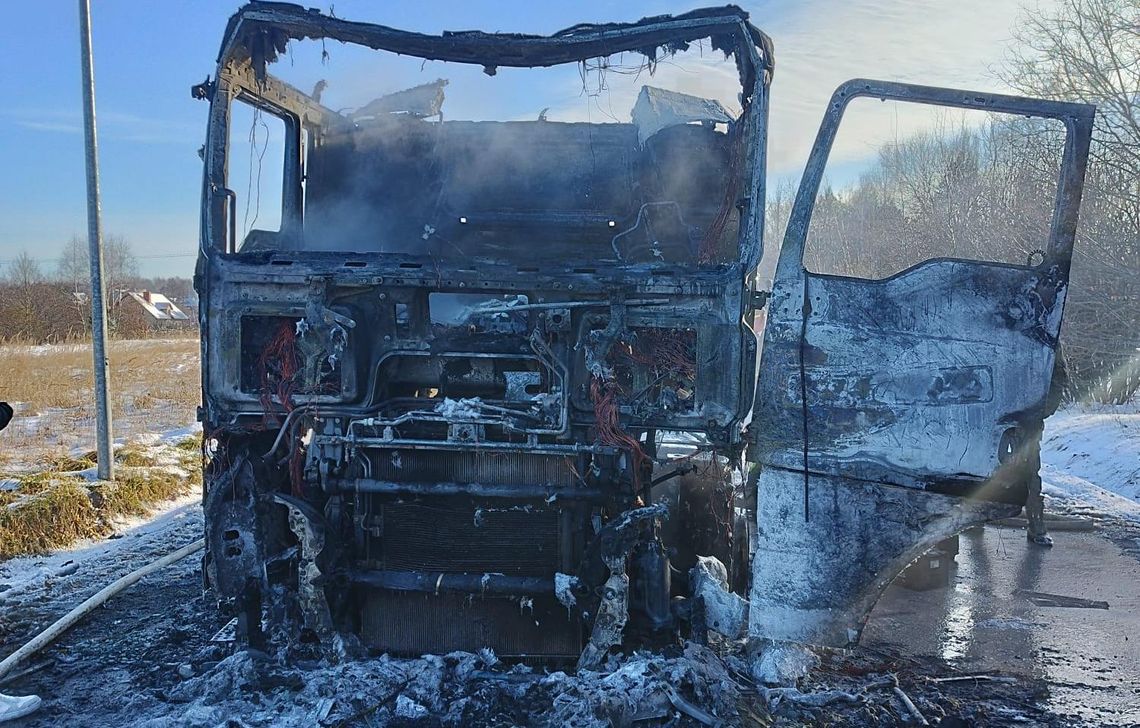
x,y
24,271
120,266
73,265
20,304
979,192
1089,50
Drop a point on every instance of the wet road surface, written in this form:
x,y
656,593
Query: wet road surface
x,y
1090,658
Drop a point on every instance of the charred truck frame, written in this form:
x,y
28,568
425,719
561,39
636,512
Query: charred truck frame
x,y
464,399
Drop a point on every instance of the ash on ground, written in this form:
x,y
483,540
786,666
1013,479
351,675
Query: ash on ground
x,y
129,666
147,659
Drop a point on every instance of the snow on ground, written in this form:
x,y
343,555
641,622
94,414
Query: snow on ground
x,y
169,526
1090,459
151,536
143,345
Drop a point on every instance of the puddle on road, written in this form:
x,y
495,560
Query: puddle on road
x,y
1090,658
958,624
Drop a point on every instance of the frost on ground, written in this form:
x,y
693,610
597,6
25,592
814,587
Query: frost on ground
x,y
458,689
155,386
49,493
61,501
1090,460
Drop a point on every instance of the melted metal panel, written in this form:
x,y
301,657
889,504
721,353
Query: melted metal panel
x,y
933,379
915,380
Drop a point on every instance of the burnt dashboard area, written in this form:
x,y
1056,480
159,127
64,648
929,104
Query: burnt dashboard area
x,y
509,362
458,442
491,189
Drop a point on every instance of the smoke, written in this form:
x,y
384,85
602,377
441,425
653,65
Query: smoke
x,y
559,185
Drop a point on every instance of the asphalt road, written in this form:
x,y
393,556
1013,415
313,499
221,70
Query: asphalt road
x,y
984,621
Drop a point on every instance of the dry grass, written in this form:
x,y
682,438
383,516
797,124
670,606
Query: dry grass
x,y
143,373
59,516
155,386
134,456
46,452
53,509
60,463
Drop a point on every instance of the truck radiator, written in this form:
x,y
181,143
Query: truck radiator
x,y
408,623
506,468
458,535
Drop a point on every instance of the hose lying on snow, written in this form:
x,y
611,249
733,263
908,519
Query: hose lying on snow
x,y
68,620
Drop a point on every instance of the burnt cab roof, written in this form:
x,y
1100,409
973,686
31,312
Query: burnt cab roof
x,y
259,31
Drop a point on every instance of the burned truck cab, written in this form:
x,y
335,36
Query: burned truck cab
x,y
477,349
479,361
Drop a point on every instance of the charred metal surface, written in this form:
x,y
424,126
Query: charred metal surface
x,y
615,542
874,396
950,352
451,367
443,399
234,531
259,31
716,607
815,581
308,527
922,379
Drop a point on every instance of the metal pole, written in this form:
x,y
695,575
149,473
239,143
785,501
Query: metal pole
x,y
95,246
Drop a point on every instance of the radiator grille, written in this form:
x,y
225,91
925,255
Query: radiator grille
x,y
411,624
427,466
441,536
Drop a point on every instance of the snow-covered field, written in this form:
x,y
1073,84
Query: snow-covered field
x,y
155,386
1090,460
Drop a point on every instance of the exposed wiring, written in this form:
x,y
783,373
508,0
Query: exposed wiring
x,y
278,367
641,216
710,243
605,395
670,351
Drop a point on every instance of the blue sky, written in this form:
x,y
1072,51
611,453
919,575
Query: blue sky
x,y
147,54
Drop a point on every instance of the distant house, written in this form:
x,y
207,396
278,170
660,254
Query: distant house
x,y
145,313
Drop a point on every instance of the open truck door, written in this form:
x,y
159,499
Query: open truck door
x,y
893,413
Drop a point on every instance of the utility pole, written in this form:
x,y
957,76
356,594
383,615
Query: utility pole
x,y
95,245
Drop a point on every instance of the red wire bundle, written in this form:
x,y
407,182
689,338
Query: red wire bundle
x,y
709,243
278,364
667,350
278,367
605,396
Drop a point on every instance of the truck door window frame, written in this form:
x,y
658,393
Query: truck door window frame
x,y
1062,230
225,226
794,353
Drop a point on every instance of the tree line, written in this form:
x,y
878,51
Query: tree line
x,y
39,305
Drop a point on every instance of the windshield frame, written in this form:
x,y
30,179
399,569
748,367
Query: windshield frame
x,y
259,32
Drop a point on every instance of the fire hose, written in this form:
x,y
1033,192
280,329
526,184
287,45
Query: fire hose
x,y
69,620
